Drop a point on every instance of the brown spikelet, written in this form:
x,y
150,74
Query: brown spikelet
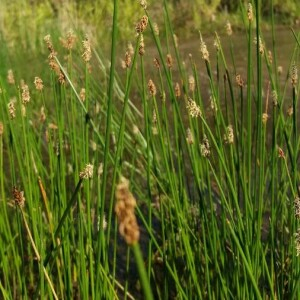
x,y
169,61
18,197
141,25
152,88
124,209
38,82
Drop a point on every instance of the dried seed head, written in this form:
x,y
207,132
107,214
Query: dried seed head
x,y
61,77
12,108
154,123
270,56
229,135
177,90
69,41
141,46
141,25
82,94
280,152
104,223
228,28
189,136
260,45
18,197
25,94
42,115
297,242
297,207
279,70
87,52
216,44
156,63
130,49
87,172
152,88
203,50
250,12
274,98
143,4
213,104
124,209
205,147
193,109
156,29
10,77
290,111
191,83
294,75
265,118
127,59
38,82
239,80
49,44
169,61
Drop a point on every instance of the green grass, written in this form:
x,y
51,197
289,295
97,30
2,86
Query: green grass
x,y
212,188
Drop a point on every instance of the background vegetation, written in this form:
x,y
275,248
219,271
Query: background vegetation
x,y
131,171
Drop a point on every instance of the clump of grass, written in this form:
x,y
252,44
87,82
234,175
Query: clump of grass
x,y
213,208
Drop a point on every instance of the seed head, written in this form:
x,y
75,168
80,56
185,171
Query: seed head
x,y
143,4
260,45
297,242
297,207
127,59
239,80
204,51
87,52
250,12
229,135
205,147
130,49
177,90
38,82
189,136
213,104
265,118
12,108
156,63
228,28
274,98
141,25
191,83
69,41
10,77
82,94
294,75
25,94
193,109
280,152
141,46
124,209
279,70
42,115
18,197
152,88
156,29
87,172
169,61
